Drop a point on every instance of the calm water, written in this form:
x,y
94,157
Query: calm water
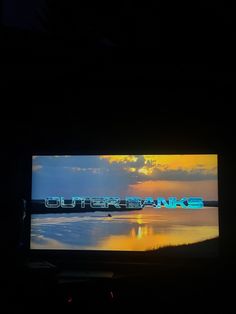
x,y
142,230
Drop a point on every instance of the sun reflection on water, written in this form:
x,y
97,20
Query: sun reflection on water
x,y
141,232
139,219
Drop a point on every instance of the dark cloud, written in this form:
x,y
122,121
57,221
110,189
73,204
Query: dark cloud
x,y
183,175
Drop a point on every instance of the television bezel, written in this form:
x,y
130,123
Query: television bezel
x,y
98,258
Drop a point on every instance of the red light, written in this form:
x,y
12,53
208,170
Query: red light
x,y
69,300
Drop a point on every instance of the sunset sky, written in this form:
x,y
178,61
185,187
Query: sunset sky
x,y
125,175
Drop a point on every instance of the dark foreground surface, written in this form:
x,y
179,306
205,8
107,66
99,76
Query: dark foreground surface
x,y
186,284
179,286
207,248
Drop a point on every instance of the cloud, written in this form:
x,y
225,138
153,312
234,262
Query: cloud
x,y
112,175
164,167
167,188
36,167
120,158
51,157
130,169
181,162
183,175
79,169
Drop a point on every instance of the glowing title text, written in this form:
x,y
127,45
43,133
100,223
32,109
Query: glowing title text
x,y
130,202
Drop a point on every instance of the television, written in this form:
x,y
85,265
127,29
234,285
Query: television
x,y
130,205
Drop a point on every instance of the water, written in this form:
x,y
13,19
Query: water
x,y
143,230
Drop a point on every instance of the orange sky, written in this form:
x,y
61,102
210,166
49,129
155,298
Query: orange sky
x,y
167,162
206,189
151,168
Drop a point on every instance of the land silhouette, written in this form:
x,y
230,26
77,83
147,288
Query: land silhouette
x,y
206,248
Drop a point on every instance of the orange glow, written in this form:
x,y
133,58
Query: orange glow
x,y
131,169
206,189
139,219
183,162
206,163
144,238
146,170
119,158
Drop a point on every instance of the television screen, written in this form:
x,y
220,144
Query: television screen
x,y
161,204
